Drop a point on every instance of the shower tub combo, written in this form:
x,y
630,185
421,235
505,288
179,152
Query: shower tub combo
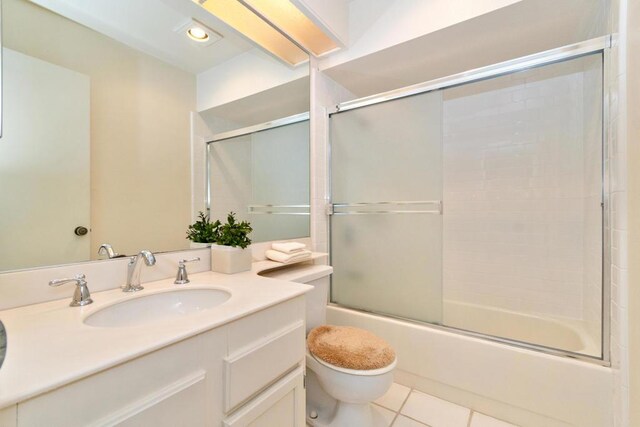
x,y
468,227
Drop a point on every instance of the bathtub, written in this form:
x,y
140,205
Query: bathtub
x,y
522,386
557,333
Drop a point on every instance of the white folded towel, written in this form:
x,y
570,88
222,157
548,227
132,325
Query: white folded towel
x,y
287,258
288,247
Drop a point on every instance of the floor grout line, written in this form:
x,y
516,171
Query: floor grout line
x,y
413,419
400,408
399,413
407,416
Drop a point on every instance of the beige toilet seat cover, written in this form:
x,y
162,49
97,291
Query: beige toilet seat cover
x,y
349,347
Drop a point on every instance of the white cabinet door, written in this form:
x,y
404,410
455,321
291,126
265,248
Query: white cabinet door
x,y
178,385
280,405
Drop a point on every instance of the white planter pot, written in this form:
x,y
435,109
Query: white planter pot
x,y
196,245
230,260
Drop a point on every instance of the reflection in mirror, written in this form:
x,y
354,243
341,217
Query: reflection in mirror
x,y
262,174
99,124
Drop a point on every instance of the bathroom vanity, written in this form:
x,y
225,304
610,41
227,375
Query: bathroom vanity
x,y
236,364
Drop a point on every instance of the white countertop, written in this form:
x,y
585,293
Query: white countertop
x,y
49,346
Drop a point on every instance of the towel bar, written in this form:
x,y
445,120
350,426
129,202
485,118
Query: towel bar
x,y
273,209
331,207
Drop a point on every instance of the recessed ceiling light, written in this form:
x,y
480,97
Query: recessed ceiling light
x,y
198,34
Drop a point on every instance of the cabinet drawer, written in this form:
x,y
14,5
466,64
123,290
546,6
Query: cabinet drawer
x,y
282,405
250,371
245,332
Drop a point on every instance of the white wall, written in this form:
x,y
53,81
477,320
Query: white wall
x,y
460,46
623,205
242,76
375,25
631,72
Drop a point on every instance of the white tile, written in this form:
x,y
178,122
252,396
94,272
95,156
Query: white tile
x,y
435,412
395,397
481,420
402,421
382,417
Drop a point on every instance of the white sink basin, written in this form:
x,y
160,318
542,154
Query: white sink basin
x,y
160,307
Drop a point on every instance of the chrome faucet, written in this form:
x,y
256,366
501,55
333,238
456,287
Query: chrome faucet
x,y
81,296
106,249
182,277
133,270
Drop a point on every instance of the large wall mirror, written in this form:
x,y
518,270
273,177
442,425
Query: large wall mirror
x,y
108,111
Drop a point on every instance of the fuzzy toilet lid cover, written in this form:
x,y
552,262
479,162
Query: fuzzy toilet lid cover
x,y
350,348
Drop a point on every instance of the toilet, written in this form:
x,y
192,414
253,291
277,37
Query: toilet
x,y
337,396
352,389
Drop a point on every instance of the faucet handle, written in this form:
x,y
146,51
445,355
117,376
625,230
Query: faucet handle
x,y
81,296
182,277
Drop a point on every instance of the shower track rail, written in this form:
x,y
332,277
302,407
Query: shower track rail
x,y
564,53
600,45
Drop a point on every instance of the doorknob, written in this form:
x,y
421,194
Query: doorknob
x,y
80,231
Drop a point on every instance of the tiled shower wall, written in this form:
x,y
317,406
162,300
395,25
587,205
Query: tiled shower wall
x,y
618,225
520,189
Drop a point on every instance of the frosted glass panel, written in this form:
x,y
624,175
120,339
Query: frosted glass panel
x,y
270,167
523,192
385,262
388,152
389,264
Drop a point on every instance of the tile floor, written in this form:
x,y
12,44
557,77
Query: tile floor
x,y
404,407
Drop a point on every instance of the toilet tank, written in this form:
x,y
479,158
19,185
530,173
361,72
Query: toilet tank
x,y
316,299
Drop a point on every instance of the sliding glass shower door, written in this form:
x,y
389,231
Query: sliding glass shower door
x,y
479,206
386,224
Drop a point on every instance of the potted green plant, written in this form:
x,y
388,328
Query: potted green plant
x,y
231,253
203,232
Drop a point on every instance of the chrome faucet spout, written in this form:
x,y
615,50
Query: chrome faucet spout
x,y
107,249
133,270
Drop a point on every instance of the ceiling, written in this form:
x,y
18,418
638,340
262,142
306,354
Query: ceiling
x,y
149,26
474,43
275,103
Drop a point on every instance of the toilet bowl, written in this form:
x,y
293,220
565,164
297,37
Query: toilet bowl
x,y
353,389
